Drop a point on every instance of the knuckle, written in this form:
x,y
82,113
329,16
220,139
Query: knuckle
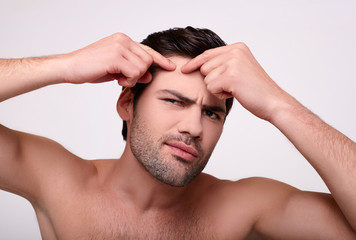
x,y
132,73
148,59
210,88
241,45
135,72
118,47
121,41
204,69
142,71
235,51
143,65
120,36
207,53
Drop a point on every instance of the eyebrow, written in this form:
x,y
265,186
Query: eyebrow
x,y
213,108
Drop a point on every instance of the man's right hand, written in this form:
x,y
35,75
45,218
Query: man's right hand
x,y
114,57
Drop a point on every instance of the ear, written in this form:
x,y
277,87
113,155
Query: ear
x,y
124,105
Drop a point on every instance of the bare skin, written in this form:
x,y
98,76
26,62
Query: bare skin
x,y
118,199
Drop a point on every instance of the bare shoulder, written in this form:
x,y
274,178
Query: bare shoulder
x,y
54,168
243,203
257,194
276,210
29,163
254,187
262,182
262,208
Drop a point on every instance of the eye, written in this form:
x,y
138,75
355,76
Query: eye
x,y
211,114
173,101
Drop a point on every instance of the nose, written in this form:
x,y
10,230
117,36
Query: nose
x,y
191,123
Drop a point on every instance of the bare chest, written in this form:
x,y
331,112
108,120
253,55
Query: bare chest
x,y
95,214
127,224
98,219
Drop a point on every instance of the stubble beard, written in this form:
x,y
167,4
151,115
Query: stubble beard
x,y
167,168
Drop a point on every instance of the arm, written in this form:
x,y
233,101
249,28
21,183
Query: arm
x,y
331,153
115,57
233,71
23,75
26,161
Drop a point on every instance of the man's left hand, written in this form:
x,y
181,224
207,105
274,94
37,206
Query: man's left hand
x,y
232,71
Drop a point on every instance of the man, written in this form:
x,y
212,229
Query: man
x,y
156,189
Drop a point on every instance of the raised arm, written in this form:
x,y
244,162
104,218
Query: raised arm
x,y
27,160
233,71
115,57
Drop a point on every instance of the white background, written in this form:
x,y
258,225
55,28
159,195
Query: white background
x,y
307,47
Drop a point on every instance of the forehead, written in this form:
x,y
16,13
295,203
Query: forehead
x,y
190,85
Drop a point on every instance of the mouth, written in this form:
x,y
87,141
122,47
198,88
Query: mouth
x,y
183,151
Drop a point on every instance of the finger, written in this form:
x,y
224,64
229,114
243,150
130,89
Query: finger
x,y
142,54
215,75
216,85
218,89
130,72
198,61
146,78
212,64
159,59
194,64
123,81
140,64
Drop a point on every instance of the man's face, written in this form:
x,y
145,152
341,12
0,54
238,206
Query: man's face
x,y
175,125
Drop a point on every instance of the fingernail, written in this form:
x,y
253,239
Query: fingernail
x,y
128,83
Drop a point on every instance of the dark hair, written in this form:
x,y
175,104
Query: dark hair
x,y
185,42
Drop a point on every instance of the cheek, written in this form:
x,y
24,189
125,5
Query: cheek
x,y
211,135
158,118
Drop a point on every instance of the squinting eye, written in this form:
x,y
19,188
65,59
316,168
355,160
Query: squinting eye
x,y
173,101
211,114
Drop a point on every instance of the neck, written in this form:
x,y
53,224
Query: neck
x,y
133,183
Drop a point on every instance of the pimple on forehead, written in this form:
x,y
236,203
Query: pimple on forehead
x,y
179,61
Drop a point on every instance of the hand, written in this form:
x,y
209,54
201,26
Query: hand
x,y
114,57
232,71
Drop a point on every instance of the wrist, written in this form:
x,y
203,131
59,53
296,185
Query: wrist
x,y
54,69
24,75
286,112
42,71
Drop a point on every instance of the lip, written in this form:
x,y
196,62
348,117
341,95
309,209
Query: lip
x,y
183,151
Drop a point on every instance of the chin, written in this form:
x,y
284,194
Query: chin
x,y
175,182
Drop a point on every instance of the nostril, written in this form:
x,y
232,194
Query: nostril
x,y
187,139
